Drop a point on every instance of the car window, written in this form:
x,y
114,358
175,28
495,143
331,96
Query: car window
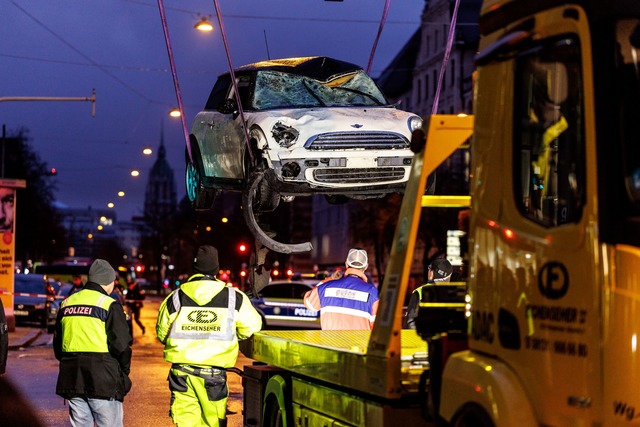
x,y
299,290
29,284
276,291
274,89
219,92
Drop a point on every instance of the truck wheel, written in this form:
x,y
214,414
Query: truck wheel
x,y
274,416
277,404
472,415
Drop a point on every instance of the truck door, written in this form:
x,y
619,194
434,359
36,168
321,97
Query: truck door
x,y
534,215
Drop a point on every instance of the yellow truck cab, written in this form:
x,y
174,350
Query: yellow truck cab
x,y
554,250
554,280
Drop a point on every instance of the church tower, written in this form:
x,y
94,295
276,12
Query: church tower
x,y
160,195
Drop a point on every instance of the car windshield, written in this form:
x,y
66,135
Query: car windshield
x,y
274,89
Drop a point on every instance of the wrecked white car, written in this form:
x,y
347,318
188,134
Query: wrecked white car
x,y
314,125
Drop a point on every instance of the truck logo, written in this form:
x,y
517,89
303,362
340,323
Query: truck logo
x,y
482,326
553,280
202,316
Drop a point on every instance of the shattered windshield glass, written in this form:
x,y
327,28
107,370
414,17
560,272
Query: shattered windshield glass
x,y
275,89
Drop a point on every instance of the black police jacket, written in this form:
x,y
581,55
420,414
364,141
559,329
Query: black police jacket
x,y
96,375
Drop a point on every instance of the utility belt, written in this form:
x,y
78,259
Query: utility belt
x,y
199,371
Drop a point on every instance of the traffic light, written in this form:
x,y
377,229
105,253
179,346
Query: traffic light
x,y
242,248
51,172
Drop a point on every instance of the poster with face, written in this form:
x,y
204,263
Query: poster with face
x,y
7,208
7,244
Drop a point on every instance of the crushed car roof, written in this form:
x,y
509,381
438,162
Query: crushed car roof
x,y
316,67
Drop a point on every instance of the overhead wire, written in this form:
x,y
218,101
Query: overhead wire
x,y
445,59
79,52
174,75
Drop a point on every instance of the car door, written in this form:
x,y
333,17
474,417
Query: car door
x,y
222,141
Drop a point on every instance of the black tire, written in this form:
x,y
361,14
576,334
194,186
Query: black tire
x,y
265,199
472,415
201,197
273,415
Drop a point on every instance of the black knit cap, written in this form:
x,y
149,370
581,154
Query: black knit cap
x,y
206,260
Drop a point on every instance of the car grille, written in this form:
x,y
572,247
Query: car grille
x,y
357,176
366,140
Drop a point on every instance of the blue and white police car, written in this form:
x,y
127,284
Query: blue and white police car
x,y
281,305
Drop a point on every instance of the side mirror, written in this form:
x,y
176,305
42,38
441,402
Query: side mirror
x,y
229,106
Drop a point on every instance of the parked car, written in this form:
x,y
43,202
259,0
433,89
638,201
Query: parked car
x,y
280,304
316,125
32,300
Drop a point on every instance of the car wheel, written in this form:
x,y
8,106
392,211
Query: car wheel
x,y
265,198
201,197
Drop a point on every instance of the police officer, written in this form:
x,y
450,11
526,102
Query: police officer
x,y
440,270
93,344
200,324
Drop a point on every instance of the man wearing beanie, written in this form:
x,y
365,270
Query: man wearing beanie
x,y
440,270
93,344
347,303
200,324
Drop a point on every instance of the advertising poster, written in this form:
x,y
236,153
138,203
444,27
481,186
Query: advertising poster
x,y
7,241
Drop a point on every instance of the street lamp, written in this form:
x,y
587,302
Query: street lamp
x,y
175,113
204,25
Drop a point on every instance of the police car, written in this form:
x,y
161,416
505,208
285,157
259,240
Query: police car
x,y
281,305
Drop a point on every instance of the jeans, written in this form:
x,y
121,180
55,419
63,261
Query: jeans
x,y
106,413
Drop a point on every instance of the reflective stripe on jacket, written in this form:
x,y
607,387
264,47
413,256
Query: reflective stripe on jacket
x,y
346,303
83,319
200,323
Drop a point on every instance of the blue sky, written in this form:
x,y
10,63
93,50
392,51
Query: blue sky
x,y
65,48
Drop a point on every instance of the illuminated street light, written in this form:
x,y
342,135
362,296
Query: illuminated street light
x,y
135,172
147,151
225,220
204,25
110,205
120,193
175,113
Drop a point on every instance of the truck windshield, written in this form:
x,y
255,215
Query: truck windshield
x,y
275,89
628,88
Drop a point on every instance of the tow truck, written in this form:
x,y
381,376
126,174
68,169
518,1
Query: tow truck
x,y
554,250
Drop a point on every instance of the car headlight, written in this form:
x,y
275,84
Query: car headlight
x,y
284,135
414,123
